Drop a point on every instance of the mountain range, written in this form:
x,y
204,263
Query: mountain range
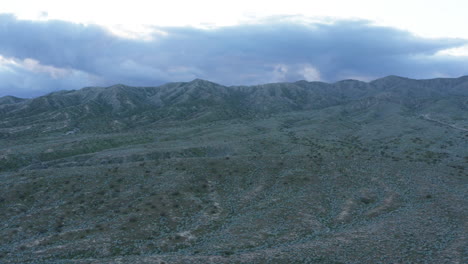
x,y
198,172
203,99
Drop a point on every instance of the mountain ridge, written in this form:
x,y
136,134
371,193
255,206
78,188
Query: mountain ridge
x,y
200,81
210,101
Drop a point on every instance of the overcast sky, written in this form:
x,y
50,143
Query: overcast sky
x,y
54,45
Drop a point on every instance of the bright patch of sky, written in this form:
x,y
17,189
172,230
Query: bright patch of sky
x,y
428,18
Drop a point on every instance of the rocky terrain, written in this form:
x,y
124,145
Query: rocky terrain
x,y
197,172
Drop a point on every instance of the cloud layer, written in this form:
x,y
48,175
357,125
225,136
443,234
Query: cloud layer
x,y
42,56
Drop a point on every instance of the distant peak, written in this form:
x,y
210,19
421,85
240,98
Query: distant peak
x,y
391,78
200,81
119,85
396,77
349,80
10,99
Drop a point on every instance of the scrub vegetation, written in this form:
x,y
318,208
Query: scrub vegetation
x,y
196,172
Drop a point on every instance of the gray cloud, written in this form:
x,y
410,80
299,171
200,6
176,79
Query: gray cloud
x,y
43,56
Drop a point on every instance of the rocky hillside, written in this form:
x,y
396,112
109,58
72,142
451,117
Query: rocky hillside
x,y
304,172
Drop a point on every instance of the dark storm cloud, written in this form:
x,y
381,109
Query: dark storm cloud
x,y
72,55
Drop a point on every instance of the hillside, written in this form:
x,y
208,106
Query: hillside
x,y
197,172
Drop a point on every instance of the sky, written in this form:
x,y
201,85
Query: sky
x,y
49,45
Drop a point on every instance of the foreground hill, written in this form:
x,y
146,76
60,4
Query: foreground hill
x,y
349,172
